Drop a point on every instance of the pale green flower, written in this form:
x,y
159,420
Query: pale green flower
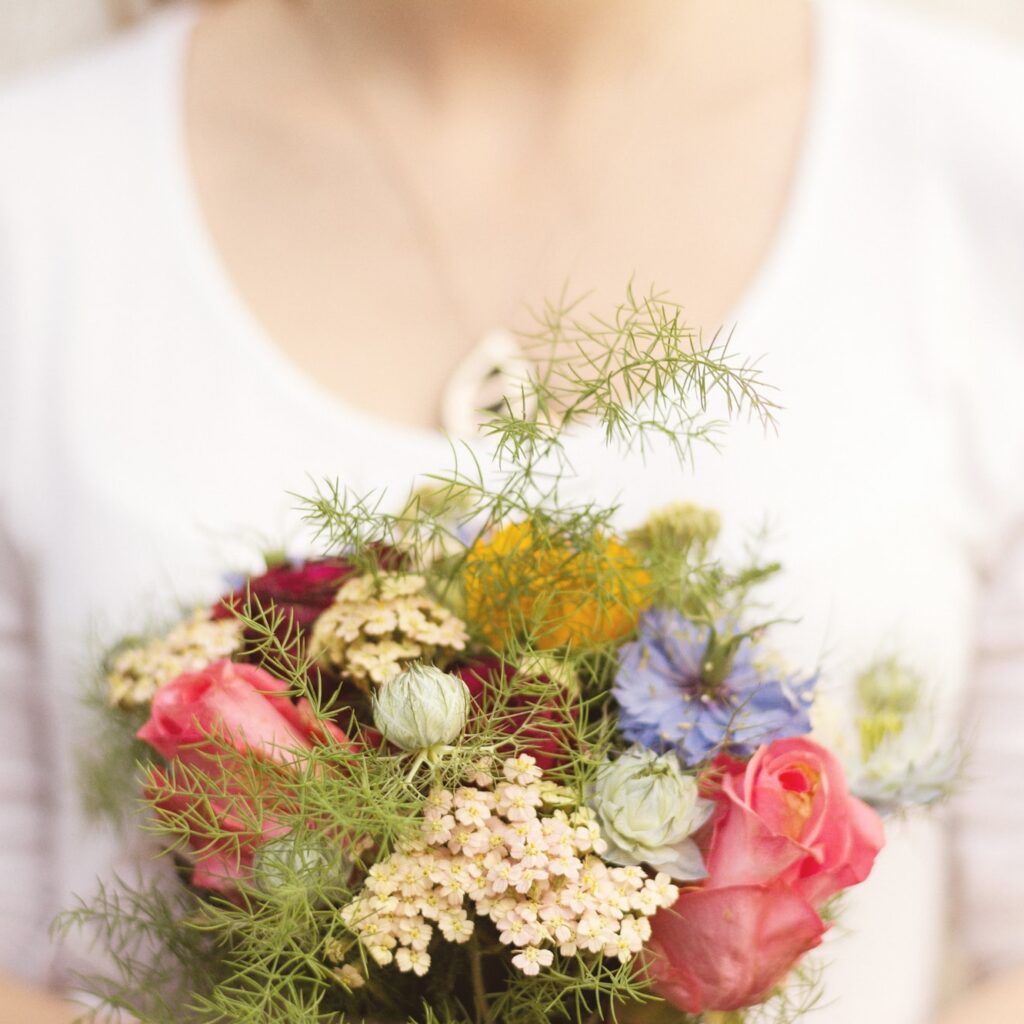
x,y
891,688
908,768
893,761
648,809
421,708
680,525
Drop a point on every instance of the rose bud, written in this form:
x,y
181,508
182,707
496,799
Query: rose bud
x,y
648,809
421,708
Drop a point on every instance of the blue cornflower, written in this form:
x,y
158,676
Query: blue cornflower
x,y
684,687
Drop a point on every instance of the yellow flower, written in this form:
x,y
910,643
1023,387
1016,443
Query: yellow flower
x,y
519,582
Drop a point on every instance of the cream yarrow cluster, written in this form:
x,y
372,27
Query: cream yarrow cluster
x,y
138,672
537,876
378,625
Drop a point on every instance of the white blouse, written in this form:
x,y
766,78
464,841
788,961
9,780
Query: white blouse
x,y
150,433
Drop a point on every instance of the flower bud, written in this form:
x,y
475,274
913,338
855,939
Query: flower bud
x,y
681,525
421,708
648,809
889,687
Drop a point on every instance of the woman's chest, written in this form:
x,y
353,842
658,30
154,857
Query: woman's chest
x,y
188,456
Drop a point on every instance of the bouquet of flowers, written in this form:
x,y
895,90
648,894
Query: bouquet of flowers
x,y
493,758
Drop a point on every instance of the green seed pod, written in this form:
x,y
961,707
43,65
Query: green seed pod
x,y
421,708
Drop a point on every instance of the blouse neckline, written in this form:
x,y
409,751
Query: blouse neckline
x,y
253,343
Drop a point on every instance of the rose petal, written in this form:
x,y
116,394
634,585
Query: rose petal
x,y
724,949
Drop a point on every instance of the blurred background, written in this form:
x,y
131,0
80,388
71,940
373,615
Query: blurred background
x,y
32,31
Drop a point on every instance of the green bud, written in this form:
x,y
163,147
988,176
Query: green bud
x,y
680,525
421,708
875,729
648,808
889,687
553,795
290,864
275,558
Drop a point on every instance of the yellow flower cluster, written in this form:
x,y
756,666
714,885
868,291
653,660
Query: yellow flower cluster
x,y
539,878
379,625
517,582
138,672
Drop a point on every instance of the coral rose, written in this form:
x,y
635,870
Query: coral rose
x,y
519,582
786,836
786,816
207,725
723,949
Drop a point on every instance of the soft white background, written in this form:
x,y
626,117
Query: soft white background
x,y
34,30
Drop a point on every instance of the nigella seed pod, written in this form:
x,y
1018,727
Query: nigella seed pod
x,y
286,864
421,708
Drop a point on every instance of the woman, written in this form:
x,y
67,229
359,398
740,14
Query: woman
x,y
255,240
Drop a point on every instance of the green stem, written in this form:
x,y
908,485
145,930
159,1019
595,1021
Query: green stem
x,y
476,972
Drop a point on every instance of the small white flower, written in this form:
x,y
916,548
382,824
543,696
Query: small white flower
x,y
456,927
522,770
502,869
532,959
413,960
138,672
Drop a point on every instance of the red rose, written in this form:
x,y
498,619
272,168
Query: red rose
x,y
538,724
786,836
193,719
300,591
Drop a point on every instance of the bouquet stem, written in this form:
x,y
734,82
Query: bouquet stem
x,y
483,1007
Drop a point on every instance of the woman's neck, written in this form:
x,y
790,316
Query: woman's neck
x,y
439,39
449,54
517,71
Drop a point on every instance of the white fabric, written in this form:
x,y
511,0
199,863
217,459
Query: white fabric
x,y
150,433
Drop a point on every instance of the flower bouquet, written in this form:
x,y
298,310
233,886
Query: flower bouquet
x,y
493,757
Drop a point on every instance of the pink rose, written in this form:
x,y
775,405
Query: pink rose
x,y
787,817
786,836
723,949
191,720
